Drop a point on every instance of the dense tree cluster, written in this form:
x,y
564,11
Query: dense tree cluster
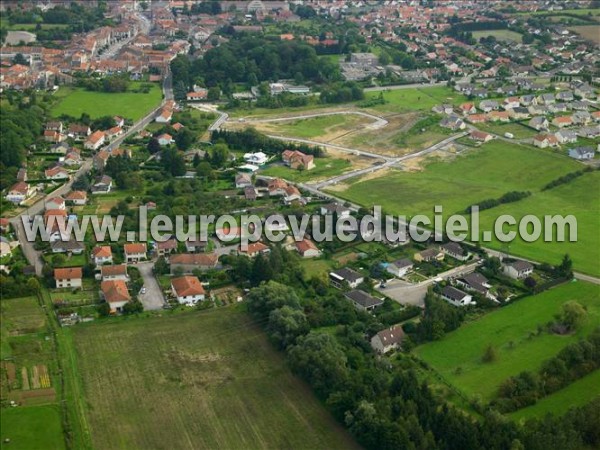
x,y
251,140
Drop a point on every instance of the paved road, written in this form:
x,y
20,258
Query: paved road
x,y
153,298
414,293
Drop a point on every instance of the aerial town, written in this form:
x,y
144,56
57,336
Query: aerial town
x,y
285,322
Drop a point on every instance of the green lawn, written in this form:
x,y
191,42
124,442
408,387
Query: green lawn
x,y
489,172
131,105
22,315
416,99
516,129
500,35
576,394
325,168
316,267
319,126
198,380
31,428
464,347
576,198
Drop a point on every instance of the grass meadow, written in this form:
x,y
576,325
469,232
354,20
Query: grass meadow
x,y
416,99
131,105
516,324
324,168
321,126
500,35
196,380
490,172
31,428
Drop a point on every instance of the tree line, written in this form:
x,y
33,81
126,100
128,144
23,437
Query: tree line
x,y
252,140
509,197
565,179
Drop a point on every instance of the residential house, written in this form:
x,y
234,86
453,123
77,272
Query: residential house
x,y
566,136
539,123
100,159
193,245
78,198
22,175
546,99
519,113
250,193
72,158
528,100
467,108
197,96
254,249
79,131
499,116
54,126
55,203
292,194
94,141
363,301
430,254
565,96
242,180
113,133
582,117
454,123
582,153
165,115
562,121
67,246
102,185
19,192
545,140
188,290
389,339
480,136
118,272
511,103
476,282
455,296
53,136
298,160
102,255
276,187
455,250
400,267
477,118
335,208
345,276
307,249
68,277
56,173
119,121
167,247
256,158
165,139
188,262
489,105
517,269
116,294
134,253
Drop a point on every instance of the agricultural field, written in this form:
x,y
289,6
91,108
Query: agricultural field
x,y
500,35
27,377
512,331
415,99
131,105
576,394
489,172
589,32
199,380
324,168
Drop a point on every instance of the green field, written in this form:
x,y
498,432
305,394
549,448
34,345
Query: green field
x,y
31,428
324,168
500,35
318,126
416,99
22,315
575,198
517,130
576,394
196,380
464,347
489,172
131,105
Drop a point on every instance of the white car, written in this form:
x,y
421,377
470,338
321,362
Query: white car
x,y
143,290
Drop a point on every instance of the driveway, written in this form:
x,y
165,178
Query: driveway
x,y
153,298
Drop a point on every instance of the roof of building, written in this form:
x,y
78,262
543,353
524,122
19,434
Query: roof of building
x,y
115,291
363,299
135,248
392,335
68,273
102,252
453,294
187,286
348,274
198,259
114,270
306,244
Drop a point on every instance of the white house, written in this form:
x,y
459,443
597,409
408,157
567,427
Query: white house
x,y
518,269
456,297
188,290
56,173
388,339
95,141
400,267
78,198
68,277
55,203
19,192
165,139
134,252
116,294
102,255
341,277
257,158
307,249
454,250
335,208
582,153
